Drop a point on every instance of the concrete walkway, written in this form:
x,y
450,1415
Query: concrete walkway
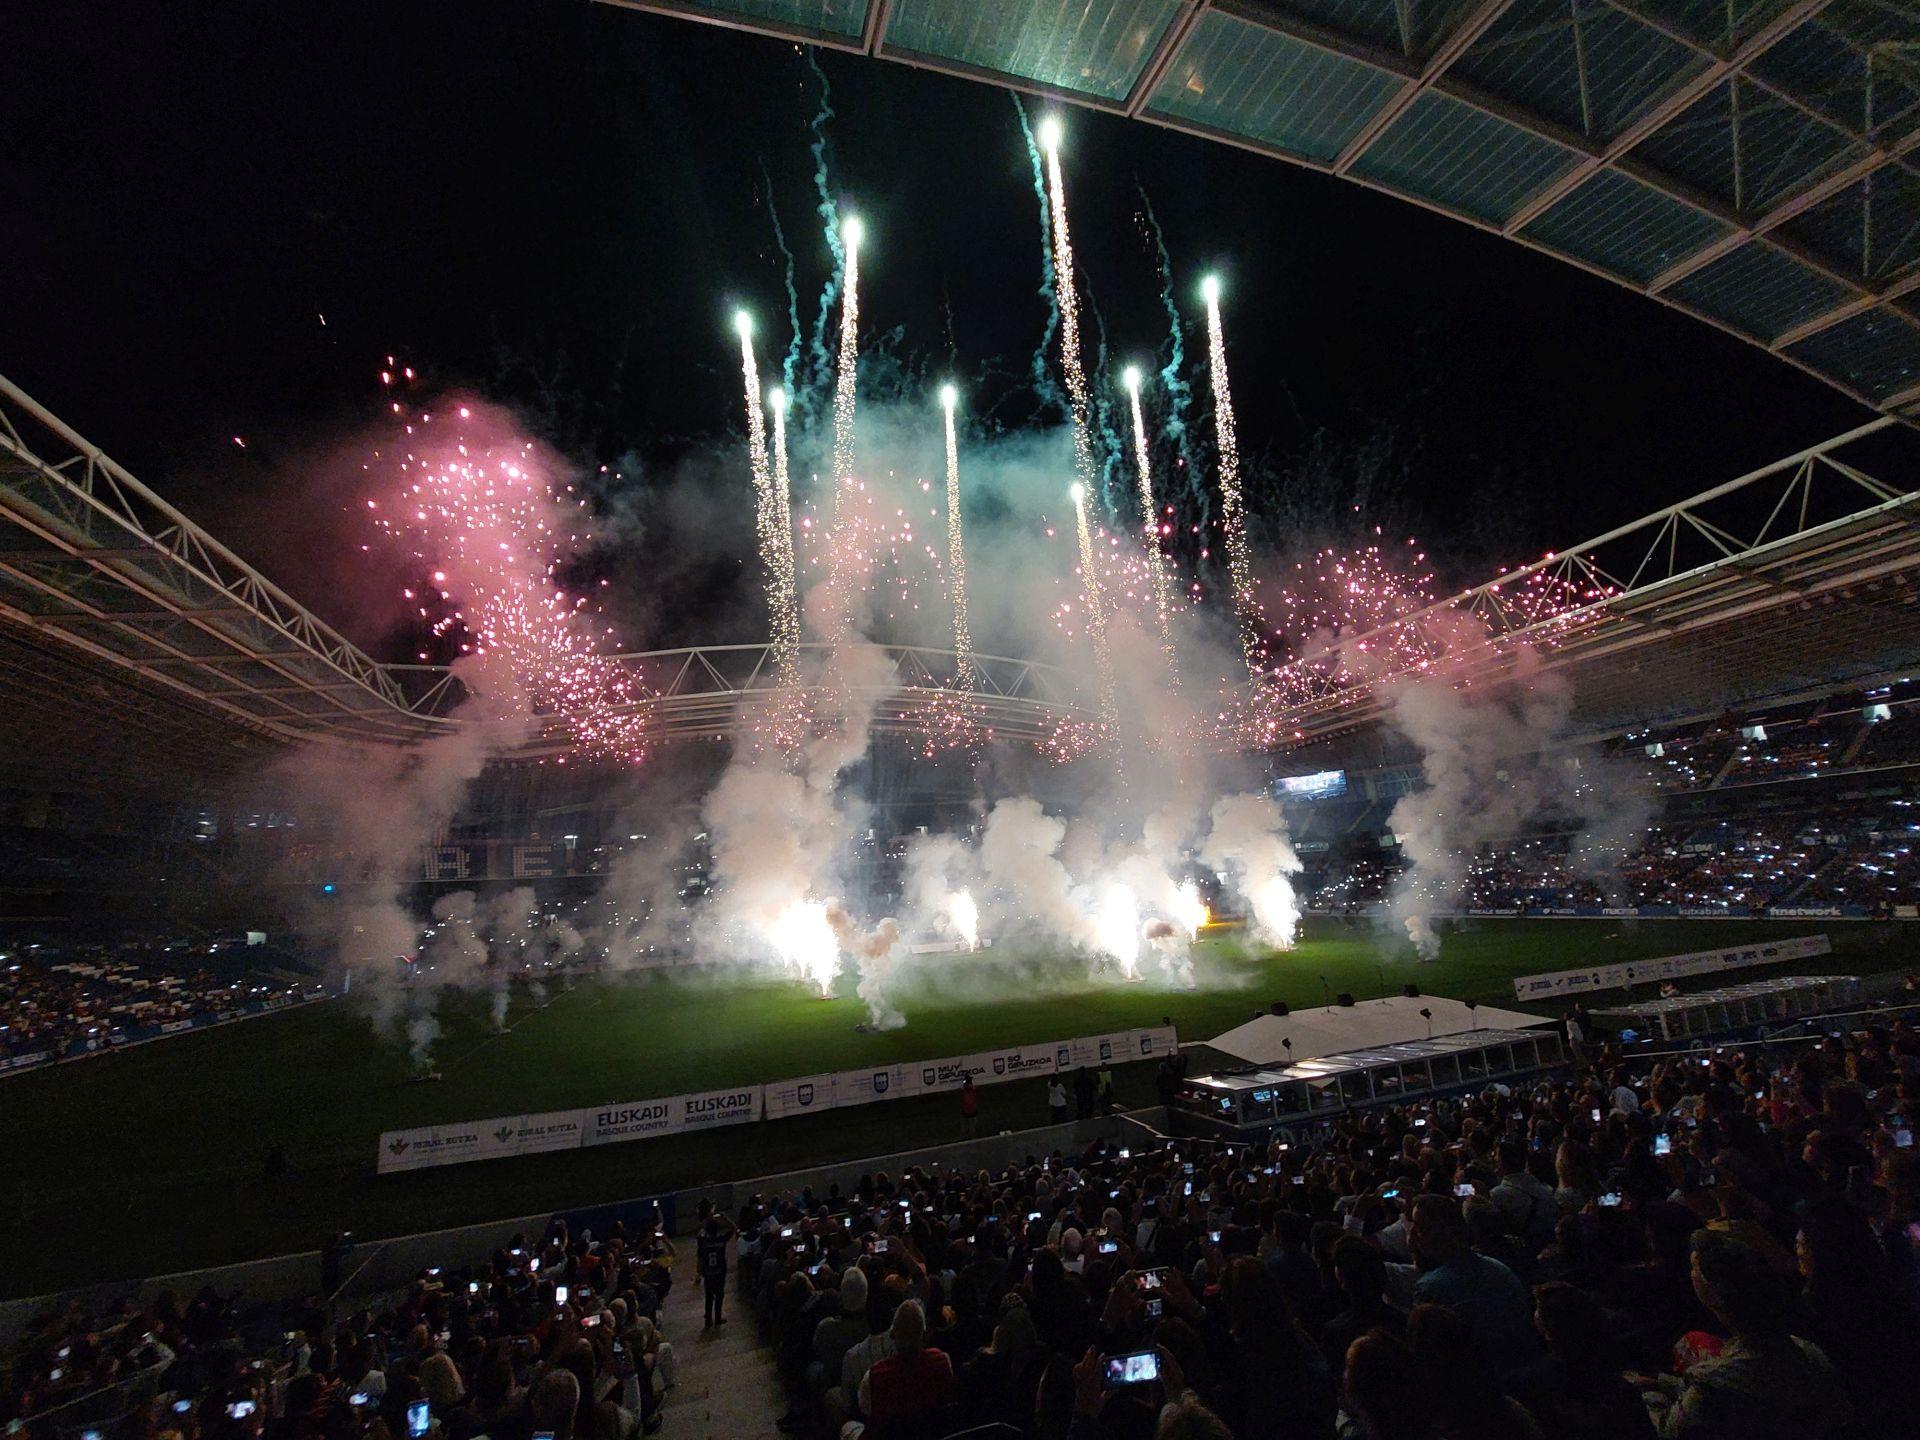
x,y
726,1387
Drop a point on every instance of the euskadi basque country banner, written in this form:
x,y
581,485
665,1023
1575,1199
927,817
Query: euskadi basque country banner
x,y
1671,967
432,1145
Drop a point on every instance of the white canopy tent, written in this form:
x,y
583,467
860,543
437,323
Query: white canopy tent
x,y
1331,1029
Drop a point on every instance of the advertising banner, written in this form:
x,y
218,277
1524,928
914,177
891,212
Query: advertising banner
x,y
454,1144
1554,983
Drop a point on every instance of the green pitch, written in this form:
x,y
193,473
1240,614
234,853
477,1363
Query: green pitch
x,y
150,1160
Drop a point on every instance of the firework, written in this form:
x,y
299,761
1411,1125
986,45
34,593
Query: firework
x,y
804,940
1189,910
956,552
482,512
1096,612
782,594
1070,361
1233,518
965,915
772,530
1162,579
851,234
1117,926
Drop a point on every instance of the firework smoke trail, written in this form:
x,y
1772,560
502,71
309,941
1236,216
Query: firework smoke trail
x,y
1043,386
1150,519
791,362
1070,361
1173,378
783,595
957,551
829,213
1232,504
1096,614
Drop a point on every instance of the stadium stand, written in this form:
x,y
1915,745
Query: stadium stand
x,y
1736,1232
73,999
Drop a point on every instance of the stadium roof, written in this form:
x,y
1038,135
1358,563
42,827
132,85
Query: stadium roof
x,y
1802,577
1332,1029
1755,163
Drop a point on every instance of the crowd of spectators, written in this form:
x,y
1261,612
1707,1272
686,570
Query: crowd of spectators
x,y
559,1337
1853,854
90,996
1723,1244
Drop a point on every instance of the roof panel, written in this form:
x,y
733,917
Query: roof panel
x,y
1871,228
1746,148
1720,25
1627,228
1854,62
1587,67
1463,159
1758,289
1096,50
1877,352
1375,21
835,19
1242,80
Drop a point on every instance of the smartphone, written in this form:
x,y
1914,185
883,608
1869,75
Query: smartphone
x,y
473,1287
1189,1188
1903,1139
1213,1237
1156,1306
417,1419
181,1407
587,1322
906,1204
359,1399
1032,1215
1109,1247
433,1272
1150,1279
1139,1368
1463,1190
1393,1194
1187,1168
1113,1194
846,1222
880,1245
1125,1153
619,1347
1595,1112
1610,1199
1663,1144
533,1265
1420,1122
1299,1179
240,1409
560,1293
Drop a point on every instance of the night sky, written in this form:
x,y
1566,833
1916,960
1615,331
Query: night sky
x,y
559,205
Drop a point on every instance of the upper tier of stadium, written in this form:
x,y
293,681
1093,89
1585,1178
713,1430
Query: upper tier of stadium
x,y
1750,162
127,630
